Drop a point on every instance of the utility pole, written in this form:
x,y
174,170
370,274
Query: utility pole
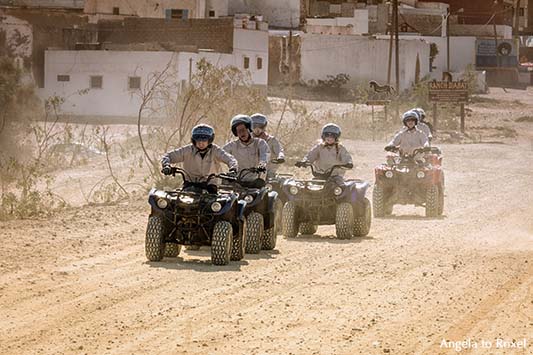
x,y
396,43
448,39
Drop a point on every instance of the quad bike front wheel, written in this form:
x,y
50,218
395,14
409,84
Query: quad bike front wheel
x,y
362,222
268,240
378,201
239,241
344,220
221,243
154,243
172,250
432,201
254,232
290,225
308,228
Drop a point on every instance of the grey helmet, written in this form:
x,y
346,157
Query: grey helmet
x,y
421,113
259,120
240,119
410,115
203,132
331,128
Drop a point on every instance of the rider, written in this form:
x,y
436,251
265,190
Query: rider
x,y
200,159
328,153
259,123
411,137
250,152
424,125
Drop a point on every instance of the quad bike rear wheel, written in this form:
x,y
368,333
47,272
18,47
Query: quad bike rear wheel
x,y
432,201
239,241
307,228
344,220
172,250
268,240
290,225
154,243
254,232
361,223
221,243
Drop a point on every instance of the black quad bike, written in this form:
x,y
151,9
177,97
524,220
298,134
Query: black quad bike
x,y
193,216
260,211
321,201
415,178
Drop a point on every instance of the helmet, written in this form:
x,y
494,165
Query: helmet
x,y
421,113
410,115
240,119
259,120
203,132
331,128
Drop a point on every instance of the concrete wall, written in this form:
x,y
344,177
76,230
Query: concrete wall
x,y
220,7
65,4
362,58
357,24
114,98
146,8
278,13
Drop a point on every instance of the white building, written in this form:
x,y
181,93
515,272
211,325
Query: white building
x,y
362,58
278,13
114,78
179,9
355,25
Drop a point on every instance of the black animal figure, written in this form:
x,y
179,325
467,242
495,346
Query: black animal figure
x,y
388,89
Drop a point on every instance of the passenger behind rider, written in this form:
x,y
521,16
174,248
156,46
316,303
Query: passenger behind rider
x,y
200,159
329,152
250,152
409,138
259,124
423,125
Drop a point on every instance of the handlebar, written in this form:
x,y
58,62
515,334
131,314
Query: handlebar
x,y
326,174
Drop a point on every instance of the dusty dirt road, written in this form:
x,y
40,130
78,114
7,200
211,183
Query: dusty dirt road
x,y
79,283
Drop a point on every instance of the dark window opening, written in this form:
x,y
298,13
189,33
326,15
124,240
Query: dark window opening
x,y
259,63
246,62
134,82
63,78
116,11
96,82
211,13
521,12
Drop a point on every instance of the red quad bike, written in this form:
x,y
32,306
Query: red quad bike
x,y
408,179
321,201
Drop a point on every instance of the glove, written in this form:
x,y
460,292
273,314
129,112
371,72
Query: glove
x,y
348,166
300,164
390,148
167,170
261,167
232,172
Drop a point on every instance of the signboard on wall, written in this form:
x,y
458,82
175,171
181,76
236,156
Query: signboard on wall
x,y
501,53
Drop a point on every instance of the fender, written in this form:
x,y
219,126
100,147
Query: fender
x,y
359,191
152,200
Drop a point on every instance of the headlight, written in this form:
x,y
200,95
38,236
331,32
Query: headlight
x,y
293,190
268,187
162,203
216,206
389,174
337,191
421,175
248,198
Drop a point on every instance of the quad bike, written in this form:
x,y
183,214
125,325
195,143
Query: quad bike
x,y
321,201
415,178
260,211
193,217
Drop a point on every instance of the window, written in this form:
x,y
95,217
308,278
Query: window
x,y
246,63
211,13
96,82
134,82
116,11
259,63
63,78
521,12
